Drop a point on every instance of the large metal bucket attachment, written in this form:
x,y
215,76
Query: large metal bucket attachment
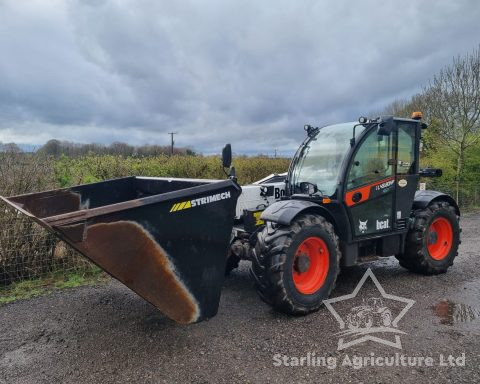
x,y
166,239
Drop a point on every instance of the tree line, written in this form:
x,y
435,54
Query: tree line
x,y
56,148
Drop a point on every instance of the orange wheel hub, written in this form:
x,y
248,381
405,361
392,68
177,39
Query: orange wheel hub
x,y
310,265
439,238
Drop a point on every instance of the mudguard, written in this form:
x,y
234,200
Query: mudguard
x,y
423,199
284,211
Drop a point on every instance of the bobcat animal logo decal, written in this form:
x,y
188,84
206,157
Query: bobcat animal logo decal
x,y
362,226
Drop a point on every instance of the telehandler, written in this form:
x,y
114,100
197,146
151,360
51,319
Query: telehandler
x,y
350,195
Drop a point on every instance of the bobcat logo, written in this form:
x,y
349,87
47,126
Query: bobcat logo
x,y
362,226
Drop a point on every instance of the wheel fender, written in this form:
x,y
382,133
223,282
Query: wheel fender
x,y
284,211
424,198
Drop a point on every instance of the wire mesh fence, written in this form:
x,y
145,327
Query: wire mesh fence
x,y
28,251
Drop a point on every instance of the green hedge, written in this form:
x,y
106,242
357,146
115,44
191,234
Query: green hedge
x,y
88,169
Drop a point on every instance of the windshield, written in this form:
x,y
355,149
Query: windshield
x,y
320,161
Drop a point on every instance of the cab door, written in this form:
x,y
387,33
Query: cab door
x,y
406,175
370,185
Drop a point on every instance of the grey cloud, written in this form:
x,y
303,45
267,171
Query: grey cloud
x,y
247,72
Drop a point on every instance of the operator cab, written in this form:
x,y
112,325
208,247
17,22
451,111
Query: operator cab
x,y
369,169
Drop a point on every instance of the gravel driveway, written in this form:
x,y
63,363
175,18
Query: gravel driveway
x,y
108,334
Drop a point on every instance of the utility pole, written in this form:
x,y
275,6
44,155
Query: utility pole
x,y
173,142
275,155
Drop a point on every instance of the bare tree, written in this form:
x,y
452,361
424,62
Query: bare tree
x,y
399,108
452,103
10,147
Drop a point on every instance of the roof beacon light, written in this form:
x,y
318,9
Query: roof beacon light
x,y
417,115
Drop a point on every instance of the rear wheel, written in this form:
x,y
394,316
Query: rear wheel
x,y
295,267
432,243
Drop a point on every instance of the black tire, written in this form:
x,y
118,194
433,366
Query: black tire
x,y
416,257
273,258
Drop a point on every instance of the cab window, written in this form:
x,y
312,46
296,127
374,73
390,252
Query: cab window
x,y
371,162
406,149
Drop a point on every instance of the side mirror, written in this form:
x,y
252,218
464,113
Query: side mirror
x,y
227,156
385,126
308,188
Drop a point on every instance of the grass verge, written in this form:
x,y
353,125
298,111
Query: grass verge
x,y
55,281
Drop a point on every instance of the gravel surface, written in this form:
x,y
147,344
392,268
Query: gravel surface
x,y
108,334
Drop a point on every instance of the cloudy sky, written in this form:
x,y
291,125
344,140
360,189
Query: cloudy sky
x,y
246,72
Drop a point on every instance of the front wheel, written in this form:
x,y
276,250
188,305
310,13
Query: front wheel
x,y
295,267
432,242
